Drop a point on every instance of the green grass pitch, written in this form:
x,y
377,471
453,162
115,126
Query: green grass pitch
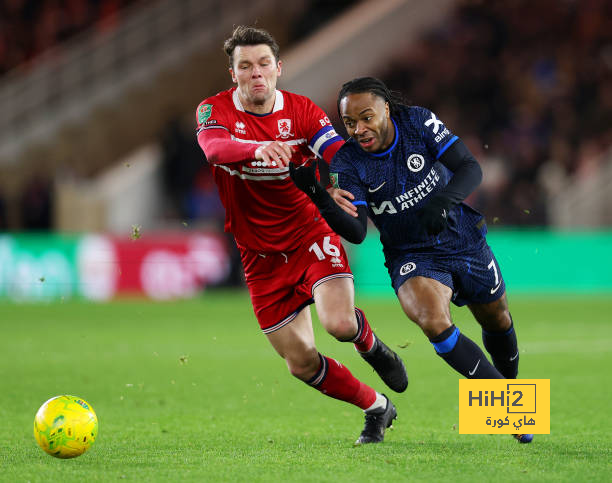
x,y
192,391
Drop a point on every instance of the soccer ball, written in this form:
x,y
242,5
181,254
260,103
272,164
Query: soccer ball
x,y
65,426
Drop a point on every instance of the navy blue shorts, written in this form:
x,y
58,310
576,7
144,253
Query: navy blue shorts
x,y
473,274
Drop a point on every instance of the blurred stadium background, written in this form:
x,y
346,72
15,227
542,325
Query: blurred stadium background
x,y
106,196
104,191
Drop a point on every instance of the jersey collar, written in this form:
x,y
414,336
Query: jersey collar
x,y
279,103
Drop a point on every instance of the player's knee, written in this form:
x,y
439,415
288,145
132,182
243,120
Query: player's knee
x,y
305,366
503,320
433,324
497,321
342,327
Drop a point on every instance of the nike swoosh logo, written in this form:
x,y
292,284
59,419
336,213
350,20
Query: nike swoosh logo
x,y
376,189
493,290
512,358
471,373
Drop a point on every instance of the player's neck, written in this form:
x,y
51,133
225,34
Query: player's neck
x,y
389,138
264,108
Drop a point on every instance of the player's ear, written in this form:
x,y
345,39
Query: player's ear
x,y
234,80
279,67
387,111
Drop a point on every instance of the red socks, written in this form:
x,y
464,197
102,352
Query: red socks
x,y
364,340
335,380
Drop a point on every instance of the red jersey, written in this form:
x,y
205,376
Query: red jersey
x,y
264,210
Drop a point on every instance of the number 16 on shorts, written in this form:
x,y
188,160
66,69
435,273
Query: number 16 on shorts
x,y
504,406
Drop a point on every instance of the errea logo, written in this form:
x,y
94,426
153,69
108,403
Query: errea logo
x,y
240,127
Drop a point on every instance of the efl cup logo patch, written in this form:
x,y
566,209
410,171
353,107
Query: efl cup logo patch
x,y
333,179
407,268
415,162
284,128
204,112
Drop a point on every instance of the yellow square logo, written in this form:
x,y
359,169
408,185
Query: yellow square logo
x,y
504,406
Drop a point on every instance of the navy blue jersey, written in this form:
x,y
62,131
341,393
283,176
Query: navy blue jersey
x,y
398,182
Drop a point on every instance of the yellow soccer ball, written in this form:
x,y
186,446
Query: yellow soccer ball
x,y
65,426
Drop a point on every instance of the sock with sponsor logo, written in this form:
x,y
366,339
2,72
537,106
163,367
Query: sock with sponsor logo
x,y
364,340
335,380
463,355
504,350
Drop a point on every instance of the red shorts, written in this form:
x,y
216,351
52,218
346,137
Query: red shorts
x,y
282,284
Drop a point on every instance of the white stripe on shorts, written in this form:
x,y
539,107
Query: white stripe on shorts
x,y
330,277
281,324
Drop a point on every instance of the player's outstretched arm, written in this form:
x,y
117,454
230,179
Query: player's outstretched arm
x,y
350,228
219,147
343,199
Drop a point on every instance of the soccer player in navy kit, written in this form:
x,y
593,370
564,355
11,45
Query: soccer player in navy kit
x,y
410,174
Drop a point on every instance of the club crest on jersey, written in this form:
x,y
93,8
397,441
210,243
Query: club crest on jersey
x,y
240,127
204,112
407,268
415,162
284,129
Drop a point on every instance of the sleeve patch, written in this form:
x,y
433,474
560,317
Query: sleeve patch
x,y
204,113
333,178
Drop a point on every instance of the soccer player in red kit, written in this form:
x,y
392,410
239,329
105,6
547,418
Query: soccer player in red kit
x,y
291,257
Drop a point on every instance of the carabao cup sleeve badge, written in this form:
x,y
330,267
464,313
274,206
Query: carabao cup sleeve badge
x,y
333,178
204,112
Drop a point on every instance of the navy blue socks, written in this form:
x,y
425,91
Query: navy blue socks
x,y
504,350
463,355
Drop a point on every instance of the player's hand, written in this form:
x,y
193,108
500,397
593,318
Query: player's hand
x,y
434,215
342,199
276,152
305,178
